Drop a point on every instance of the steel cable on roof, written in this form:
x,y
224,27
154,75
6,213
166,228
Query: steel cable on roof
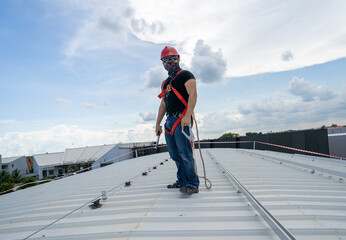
x,y
67,214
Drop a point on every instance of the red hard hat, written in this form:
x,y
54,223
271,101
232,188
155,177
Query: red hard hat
x,y
169,51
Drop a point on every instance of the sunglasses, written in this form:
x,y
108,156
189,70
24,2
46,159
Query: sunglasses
x,y
170,59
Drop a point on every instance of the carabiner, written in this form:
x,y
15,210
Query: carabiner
x,y
191,137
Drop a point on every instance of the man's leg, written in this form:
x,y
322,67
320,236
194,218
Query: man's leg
x,y
173,151
186,155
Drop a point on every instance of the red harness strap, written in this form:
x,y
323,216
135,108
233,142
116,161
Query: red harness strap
x,y
168,88
162,94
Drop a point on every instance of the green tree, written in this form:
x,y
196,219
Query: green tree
x,y
28,179
6,181
229,135
253,133
16,176
72,169
5,177
5,186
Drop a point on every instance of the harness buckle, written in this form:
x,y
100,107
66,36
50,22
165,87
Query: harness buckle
x,y
168,88
181,116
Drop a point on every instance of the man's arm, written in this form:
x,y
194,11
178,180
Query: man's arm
x,y
191,89
160,115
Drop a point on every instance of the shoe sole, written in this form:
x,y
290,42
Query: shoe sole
x,y
183,191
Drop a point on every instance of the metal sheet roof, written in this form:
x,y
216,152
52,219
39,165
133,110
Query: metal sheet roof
x,y
10,159
85,154
308,205
49,159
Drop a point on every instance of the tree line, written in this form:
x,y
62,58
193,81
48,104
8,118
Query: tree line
x,y
9,181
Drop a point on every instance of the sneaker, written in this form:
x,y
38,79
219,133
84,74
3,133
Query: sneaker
x,y
188,190
174,185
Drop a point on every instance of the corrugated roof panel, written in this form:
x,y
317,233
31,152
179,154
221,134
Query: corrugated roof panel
x,y
306,203
94,153
9,159
49,159
71,155
85,154
310,206
88,154
326,165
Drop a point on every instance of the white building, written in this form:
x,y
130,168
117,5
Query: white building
x,y
73,159
121,152
49,164
9,164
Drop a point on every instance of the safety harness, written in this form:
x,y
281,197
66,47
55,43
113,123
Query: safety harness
x,y
163,94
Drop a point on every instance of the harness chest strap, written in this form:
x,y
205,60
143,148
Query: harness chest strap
x,y
163,91
162,94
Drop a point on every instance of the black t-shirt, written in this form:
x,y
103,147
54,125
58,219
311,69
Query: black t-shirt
x,y
173,103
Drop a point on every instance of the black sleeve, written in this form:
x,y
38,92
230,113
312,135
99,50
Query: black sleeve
x,y
187,75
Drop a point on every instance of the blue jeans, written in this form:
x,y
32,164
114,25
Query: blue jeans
x,y
180,150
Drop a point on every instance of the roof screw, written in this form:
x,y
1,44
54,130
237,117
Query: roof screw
x,y
313,171
96,204
127,184
161,163
154,167
238,191
104,196
144,174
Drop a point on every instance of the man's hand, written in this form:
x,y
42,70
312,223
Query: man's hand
x,y
158,130
185,121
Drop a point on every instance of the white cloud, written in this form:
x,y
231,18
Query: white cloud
x,y
287,56
62,101
59,137
208,65
308,91
280,113
276,113
213,124
89,105
250,34
140,25
7,121
106,102
105,26
154,77
150,116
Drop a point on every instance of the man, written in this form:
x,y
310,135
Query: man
x,y
179,97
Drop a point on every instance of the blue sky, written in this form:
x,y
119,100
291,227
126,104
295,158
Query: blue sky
x,y
81,73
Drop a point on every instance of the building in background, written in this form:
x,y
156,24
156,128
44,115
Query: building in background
x,y
337,141
10,164
121,152
71,160
330,141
